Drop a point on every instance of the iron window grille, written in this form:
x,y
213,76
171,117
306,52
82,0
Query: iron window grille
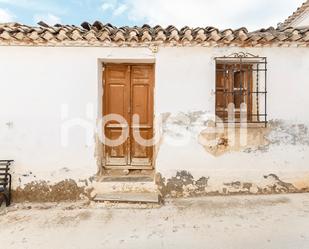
x,y
241,78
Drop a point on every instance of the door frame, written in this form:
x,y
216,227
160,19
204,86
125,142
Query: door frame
x,y
103,97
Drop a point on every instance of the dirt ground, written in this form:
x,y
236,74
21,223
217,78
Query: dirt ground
x,y
234,222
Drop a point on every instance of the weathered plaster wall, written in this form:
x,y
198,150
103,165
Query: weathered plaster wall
x,y
272,159
43,90
282,148
39,84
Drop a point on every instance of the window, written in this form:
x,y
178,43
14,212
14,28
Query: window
x,y
241,88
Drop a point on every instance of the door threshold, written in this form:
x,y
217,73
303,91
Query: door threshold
x,y
127,175
115,167
126,179
129,197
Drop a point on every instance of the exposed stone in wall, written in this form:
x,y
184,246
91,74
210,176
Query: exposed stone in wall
x,y
43,191
183,184
276,185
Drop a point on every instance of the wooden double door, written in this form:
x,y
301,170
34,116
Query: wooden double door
x,y
128,90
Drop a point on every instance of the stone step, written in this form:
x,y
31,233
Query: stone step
x,y
151,197
126,179
124,186
124,190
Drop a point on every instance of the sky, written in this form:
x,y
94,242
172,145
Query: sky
x,y
253,14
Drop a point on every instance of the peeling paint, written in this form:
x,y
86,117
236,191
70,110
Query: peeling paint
x,y
278,186
255,139
288,133
32,186
220,141
183,184
43,191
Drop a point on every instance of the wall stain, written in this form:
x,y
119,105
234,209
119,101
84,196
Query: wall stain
x,y
287,133
43,191
217,140
279,186
238,139
183,184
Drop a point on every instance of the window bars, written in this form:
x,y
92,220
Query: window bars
x,y
241,89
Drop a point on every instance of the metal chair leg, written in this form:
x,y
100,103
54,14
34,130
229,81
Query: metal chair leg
x,y
2,199
6,199
10,190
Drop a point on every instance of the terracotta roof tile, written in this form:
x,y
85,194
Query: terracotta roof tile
x,y
301,10
99,34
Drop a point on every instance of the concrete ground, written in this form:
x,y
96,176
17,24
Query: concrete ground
x,y
233,222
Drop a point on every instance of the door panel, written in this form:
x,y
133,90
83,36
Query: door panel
x,y
141,155
142,104
115,155
117,101
128,90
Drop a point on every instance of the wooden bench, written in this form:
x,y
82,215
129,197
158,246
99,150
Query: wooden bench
x,y
5,181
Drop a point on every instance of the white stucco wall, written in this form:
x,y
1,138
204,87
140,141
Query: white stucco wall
x,y
38,82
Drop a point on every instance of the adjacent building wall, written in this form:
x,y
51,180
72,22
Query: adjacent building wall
x,y
45,90
301,21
